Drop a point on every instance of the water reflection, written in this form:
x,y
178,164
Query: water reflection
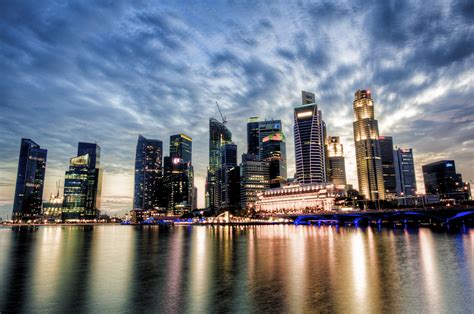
x,y
233,269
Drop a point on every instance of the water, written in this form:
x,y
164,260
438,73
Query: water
x,y
283,268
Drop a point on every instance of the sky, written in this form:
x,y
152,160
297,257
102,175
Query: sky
x,y
106,71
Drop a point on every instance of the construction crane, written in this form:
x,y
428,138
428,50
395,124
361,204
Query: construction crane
x,y
224,120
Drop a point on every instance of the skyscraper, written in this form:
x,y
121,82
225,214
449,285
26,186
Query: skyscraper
x,y
309,142
367,146
388,166
274,152
218,136
148,192
257,131
179,175
29,181
441,179
228,162
405,172
336,168
254,178
83,184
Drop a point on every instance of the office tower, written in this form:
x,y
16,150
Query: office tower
x,y
441,179
257,131
83,184
181,147
228,162
367,146
148,192
309,142
405,173
195,198
274,152
179,175
388,166
254,179
336,169
218,136
29,181
307,98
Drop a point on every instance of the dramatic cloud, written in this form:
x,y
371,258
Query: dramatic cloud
x,y
105,72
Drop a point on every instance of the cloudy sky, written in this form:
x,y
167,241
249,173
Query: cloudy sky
x,y
106,71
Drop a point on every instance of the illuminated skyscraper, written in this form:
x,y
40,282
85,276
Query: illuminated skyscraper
x,y
179,175
218,136
148,192
405,173
29,181
336,168
309,142
367,146
441,179
274,152
254,179
257,131
82,184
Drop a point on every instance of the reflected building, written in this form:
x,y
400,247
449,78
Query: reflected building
x,y
148,191
83,184
29,181
309,132
388,166
219,135
336,164
367,146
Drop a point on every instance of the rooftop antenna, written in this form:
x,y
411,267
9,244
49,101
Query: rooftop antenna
x,y
224,120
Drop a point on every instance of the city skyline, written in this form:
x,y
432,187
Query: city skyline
x,y
425,106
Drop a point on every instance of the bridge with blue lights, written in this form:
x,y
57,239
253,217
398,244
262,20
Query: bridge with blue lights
x,y
437,217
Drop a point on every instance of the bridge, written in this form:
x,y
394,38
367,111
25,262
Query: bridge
x,y
445,216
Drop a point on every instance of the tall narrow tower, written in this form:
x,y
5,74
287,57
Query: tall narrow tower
x,y
367,146
309,142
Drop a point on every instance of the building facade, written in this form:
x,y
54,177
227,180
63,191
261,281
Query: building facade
x,y
83,184
336,163
219,135
309,131
225,180
367,147
388,166
148,174
441,179
29,181
405,174
274,152
254,179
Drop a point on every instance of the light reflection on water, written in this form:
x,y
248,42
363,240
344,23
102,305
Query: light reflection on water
x,y
233,269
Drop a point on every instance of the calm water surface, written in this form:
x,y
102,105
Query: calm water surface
x,y
285,268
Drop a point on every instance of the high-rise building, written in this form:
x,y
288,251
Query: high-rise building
x,y
388,166
257,131
309,142
367,146
148,192
335,156
254,179
195,198
29,181
224,187
179,175
83,184
405,174
218,136
274,152
441,179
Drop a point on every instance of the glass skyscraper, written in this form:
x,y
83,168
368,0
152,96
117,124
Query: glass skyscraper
x,y
83,184
367,146
224,185
274,152
441,179
29,181
309,129
148,192
388,166
336,169
405,173
218,136
257,131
